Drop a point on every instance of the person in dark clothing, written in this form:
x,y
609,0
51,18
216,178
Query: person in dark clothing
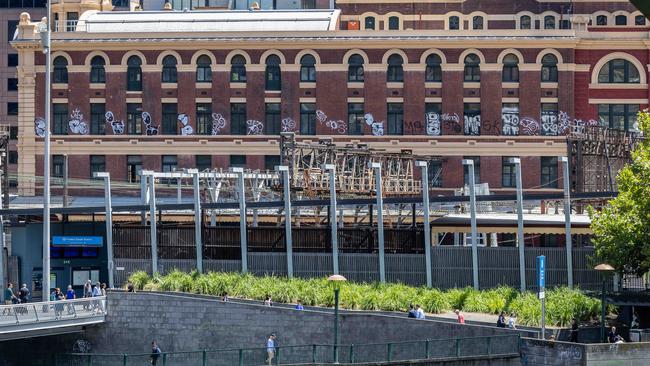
x,y
614,337
155,353
574,331
501,321
412,312
23,294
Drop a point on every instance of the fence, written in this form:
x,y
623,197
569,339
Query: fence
x,y
430,349
13,316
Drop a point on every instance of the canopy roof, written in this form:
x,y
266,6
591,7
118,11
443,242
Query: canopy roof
x,y
507,223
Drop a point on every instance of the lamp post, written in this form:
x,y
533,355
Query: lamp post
x,y
242,217
567,220
427,219
109,224
604,269
336,280
376,167
45,31
331,169
520,224
472,210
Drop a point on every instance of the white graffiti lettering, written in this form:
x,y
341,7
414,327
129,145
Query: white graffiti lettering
x,y
150,128
77,124
288,124
338,126
510,121
472,124
117,126
187,129
529,126
432,123
218,123
377,126
39,126
254,127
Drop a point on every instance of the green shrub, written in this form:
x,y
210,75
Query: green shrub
x,y
139,279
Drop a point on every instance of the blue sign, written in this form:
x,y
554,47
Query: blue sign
x,y
78,241
541,272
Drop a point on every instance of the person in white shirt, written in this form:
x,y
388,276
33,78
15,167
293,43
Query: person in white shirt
x,y
420,312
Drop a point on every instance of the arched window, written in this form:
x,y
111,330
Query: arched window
x,y
370,23
639,20
393,23
549,22
169,74
97,70
619,71
601,20
510,69
549,68
238,69
454,22
273,80
60,70
477,22
620,20
203,69
355,68
307,68
472,68
525,22
134,74
395,72
433,70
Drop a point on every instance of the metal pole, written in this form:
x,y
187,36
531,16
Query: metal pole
x,y
284,170
152,223
65,180
520,225
472,209
567,220
380,221
46,155
198,225
544,317
144,197
336,325
333,220
427,220
179,194
2,246
602,313
242,217
109,224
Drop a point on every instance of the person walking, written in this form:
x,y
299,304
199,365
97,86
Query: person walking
x,y
512,321
501,321
130,288
58,308
268,301
420,312
10,298
102,288
461,317
299,306
88,292
70,295
574,331
270,349
23,294
155,353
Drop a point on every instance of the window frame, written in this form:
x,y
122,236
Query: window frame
x,y
477,170
508,173
97,164
393,23
529,22
454,22
203,118
354,67
623,20
60,118
272,118
169,69
550,22
395,119
98,70
200,162
308,119
60,70
472,69
433,70
478,22
611,67
238,69
369,23
548,177
169,123
97,118
549,70
395,69
308,68
203,69
510,72
133,119
134,74
628,115
133,168
356,120
238,119
273,74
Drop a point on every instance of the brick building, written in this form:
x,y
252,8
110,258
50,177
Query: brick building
x,y
213,88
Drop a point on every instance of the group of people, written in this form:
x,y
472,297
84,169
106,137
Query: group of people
x,y
22,296
511,322
416,312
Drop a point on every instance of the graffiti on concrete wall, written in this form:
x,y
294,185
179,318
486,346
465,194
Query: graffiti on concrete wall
x,y
335,125
254,127
288,124
510,121
187,129
432,120
218,123
77,124
150,128
116,126
376,126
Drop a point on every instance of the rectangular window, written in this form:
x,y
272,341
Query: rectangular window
x,y
71,23
238,119
510,119
472,119
307,119
12,60
238,161
204,118
169,119
58,162
435,173
133,168
618,116
134,119
60,118
395,119
97,118
203,162
169,163
271,161
11,29
508,173
12,108
432,112
549,118
356,121
97,164
13,157
477,170
12,84
308,4
13,133
548,177
273,124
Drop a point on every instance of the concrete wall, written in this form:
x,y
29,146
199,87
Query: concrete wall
x,y
535,352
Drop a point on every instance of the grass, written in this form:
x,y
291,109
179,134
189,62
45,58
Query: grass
x,y
562,304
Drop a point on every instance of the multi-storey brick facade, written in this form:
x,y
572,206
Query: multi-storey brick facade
x,y
515,87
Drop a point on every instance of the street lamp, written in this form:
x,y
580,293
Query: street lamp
x,y
109,223
45,31
605,269
336,280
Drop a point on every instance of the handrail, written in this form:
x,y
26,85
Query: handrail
x,y
51,311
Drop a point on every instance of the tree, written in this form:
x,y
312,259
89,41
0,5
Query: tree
x,y
622,228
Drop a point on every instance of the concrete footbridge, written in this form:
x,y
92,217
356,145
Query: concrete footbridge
x,y
37,319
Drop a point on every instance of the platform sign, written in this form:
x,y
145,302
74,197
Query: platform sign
x,y
541,284
78,241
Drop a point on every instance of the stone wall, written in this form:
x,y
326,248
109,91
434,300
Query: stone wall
x,y
535,352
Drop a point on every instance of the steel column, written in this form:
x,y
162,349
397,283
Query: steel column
x,y
427,220
284,170
242,217
472,209
152,222
108,203
333,219
520,224
380,221
567,220
198,224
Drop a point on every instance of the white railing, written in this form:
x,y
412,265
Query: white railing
x,y
52,311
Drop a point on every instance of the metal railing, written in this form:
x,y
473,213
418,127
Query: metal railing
x,y
428,349
12,317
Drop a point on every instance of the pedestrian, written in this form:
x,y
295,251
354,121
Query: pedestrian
x,y
268,301
501,321
70,295
635,321
574,331
97,290
614,337
130,288
23,294
103,289
420,312
270,349
58,297
225,297
10,298
412,312
88,292
155,353
512,321
461,317
299,306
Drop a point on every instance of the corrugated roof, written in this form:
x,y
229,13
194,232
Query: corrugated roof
x,y
208,21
